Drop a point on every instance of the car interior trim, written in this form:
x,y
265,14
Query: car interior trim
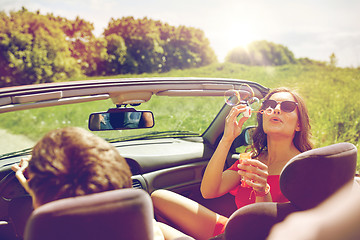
x,y
37,97
63,101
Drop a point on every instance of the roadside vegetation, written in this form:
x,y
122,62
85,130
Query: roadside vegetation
x,y
38,48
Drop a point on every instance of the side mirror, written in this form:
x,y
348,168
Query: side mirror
x,y
120,119
245,138
248,135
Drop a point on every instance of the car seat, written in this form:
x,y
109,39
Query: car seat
x,y
118,214
306,180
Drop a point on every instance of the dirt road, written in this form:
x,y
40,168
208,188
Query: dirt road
x,y
10,142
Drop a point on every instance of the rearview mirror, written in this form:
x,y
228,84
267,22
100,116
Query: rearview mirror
x,y
120,119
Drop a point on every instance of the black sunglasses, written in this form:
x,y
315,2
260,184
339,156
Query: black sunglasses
x,y
286,106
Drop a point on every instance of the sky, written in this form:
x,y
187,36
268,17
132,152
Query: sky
x,y
309,28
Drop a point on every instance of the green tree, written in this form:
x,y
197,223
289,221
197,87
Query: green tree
x,y
144,51
238,55
333,60
261,53
88,51
116,50
187,47
153,46
308,61
37,48
33,49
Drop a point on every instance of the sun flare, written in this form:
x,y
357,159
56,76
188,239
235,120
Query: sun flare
x,y
240,35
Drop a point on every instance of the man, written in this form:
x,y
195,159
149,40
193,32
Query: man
x,y
72,162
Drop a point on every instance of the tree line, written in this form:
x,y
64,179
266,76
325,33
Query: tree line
x,y
265,53
37,48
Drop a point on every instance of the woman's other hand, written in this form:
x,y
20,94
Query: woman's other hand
x,y
255,173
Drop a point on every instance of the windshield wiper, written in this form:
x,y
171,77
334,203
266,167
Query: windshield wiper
x,y
155,135
23,152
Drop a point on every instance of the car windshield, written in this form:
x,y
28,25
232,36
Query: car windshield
x,y
174,116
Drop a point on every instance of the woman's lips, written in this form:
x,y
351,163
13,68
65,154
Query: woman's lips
x,y
275,119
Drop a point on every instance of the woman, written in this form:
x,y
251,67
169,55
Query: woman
x,y
283,132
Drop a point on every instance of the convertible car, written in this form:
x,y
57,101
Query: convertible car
x,y
166,128
170,152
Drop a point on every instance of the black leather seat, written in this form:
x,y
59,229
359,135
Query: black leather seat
x,y
306,180
119,214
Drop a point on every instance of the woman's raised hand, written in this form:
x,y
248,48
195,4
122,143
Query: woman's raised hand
x,y
232,126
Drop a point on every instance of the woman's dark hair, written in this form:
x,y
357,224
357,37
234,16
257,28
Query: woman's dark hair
x,y
71,162
301,139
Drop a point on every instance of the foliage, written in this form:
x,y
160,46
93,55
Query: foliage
x,y
79,37
185,48
36,48
152,46
90,52
333,60
308,61
261,53
116,50
143,50
33,49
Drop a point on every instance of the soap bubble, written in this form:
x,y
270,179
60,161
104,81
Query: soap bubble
x,y
244,95
232,97
254,103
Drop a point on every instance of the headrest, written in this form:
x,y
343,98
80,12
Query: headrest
x,y
119,214
312,176
254,221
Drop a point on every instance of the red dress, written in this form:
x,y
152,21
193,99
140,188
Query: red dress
x,y
244,196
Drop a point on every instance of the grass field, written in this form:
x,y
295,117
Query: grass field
x,y
331,94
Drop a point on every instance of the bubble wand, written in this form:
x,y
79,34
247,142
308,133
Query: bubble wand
x,y
245,96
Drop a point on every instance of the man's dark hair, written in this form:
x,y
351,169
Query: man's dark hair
x,y
71,162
